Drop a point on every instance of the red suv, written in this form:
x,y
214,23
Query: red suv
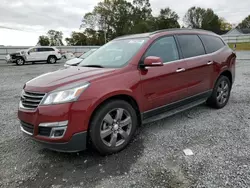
x,y
131,80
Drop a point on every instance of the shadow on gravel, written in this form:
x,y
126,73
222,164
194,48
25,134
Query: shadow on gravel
x,y
84,169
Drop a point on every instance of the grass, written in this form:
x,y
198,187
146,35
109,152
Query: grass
x,y
240,46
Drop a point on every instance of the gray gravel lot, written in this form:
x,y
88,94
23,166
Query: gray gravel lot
x,y
220,140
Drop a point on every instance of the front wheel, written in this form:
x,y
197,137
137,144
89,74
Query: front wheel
x,y
221,93
113,126
20,61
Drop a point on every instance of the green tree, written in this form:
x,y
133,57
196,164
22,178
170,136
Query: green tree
x,y
201,18
245,23
76,39
43,41
167,19
225,26
112,18
55,38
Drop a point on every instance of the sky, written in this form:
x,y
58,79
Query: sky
x,y
31,18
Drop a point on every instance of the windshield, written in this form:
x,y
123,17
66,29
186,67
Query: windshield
x,y
114,54
87,54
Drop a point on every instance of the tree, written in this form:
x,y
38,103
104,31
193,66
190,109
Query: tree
x,y
43,41
194,17
211,21
245,24
200,18
167,19
55,38
76,39
224,25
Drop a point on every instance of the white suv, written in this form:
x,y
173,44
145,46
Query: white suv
x,y
35,54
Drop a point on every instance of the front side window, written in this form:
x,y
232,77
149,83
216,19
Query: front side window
x,y
33,50
114,54
212,43
190,45
165,48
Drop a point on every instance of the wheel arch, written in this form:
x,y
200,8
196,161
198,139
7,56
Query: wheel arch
x,y
125,97
228,74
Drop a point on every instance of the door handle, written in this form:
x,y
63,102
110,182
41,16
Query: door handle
x,y
210,63
180,70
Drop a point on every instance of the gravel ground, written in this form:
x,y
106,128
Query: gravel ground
x,y
220,140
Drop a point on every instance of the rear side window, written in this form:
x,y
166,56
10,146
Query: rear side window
x,y
46,49
191,45
165,48
212,43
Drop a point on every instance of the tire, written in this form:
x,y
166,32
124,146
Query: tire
x,y
221,93
116,133
51,59
20,61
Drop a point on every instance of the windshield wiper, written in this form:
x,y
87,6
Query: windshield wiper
x,y
97,66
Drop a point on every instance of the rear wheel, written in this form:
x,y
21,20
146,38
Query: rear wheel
x,y
51,59
221,93
113,126
20,61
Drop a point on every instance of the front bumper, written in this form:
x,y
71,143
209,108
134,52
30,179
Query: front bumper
x,y
75,144
74,138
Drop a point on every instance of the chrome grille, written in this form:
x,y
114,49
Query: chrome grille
x,y
31,100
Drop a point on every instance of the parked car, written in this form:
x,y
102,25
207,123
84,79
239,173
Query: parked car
x,y
77,60
35,54
129,81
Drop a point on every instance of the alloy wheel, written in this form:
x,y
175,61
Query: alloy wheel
x,y
20,61
52,60
222,92
116,127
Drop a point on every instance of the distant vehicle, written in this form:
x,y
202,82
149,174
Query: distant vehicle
x,y
68,56
34,54
77,60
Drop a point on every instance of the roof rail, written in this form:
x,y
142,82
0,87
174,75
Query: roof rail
x,y
179,29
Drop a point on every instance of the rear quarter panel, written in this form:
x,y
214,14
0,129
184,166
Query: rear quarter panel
x,y
224,60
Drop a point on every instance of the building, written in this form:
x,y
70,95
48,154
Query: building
x,y
236,35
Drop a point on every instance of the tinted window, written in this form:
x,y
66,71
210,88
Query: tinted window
x,y
165,48
33,50
211,43
191,45
45,49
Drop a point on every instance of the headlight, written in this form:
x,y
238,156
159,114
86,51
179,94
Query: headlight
x,y
63,96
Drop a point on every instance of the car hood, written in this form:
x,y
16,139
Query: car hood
x,y
19,52
73,61
53,80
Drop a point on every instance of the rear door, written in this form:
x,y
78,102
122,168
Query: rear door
x,y
44,53
217,53
166,84
199,64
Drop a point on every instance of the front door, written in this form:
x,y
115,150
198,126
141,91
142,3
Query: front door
x,y
168,83
32,55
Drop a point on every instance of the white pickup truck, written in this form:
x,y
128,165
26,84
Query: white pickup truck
x,y
35,54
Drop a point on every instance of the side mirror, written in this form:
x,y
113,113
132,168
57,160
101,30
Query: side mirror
x,y
152,61
28,52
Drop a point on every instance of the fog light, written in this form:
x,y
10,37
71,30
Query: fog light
x,y
58,132
58,129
